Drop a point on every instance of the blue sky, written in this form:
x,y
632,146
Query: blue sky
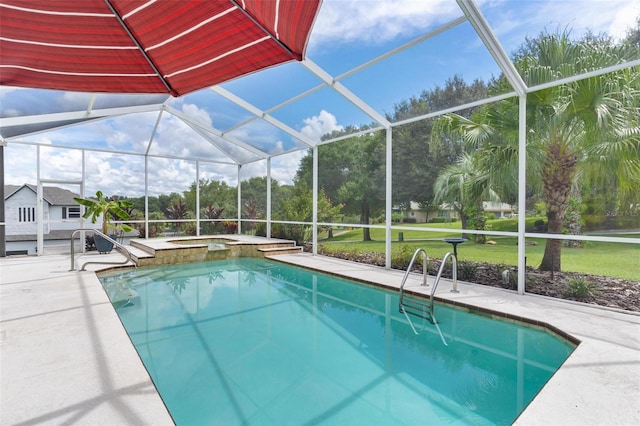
x,y
346,34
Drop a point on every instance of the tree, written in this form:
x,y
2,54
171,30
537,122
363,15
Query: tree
x,y
215,193
464,185
254,196
327,212
363,191
568,126
633,34
352,173
414,147
297,208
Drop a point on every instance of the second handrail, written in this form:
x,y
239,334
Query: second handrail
x,y
454,276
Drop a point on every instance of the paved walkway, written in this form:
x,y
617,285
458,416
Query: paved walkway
x,y
66,359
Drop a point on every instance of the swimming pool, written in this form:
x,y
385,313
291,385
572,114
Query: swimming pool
x,y
251,341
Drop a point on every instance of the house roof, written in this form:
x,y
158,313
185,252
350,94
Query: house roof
x,y
52,194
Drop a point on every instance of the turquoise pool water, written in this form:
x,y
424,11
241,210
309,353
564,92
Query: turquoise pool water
x,y
249,341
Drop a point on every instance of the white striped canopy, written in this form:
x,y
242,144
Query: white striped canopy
x,y
147,46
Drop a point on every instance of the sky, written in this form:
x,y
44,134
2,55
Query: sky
x,y
345,35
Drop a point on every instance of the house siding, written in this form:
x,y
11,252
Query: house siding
x,y
24,198
20,235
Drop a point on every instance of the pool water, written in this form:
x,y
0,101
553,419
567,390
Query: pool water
x,y
213,246
250,341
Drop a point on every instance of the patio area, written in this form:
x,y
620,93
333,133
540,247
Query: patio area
x,y
67,359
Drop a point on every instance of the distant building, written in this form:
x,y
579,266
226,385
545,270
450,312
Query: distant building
x,y
500,210
447,213
61,215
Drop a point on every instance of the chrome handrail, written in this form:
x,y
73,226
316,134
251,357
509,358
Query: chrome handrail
x,y
454,276
119,248
425,262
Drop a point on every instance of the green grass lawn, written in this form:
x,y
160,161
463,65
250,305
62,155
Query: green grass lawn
x,y
609,259
502,225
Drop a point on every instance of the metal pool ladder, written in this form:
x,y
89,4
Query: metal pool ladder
x,y
419,307
116,245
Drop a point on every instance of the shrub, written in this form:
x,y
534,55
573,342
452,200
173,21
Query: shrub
x,y
230,227
261,229
540,208
467,271
580,287
287,231
191,229
400,258
539,226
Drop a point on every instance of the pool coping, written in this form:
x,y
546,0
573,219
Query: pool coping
x,y
46,309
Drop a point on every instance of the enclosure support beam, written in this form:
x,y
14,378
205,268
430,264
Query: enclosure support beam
x,y
39,210
345,93
522,191
480,24
269,197
315,201
239,231
3,246
146,197
197,198
388,197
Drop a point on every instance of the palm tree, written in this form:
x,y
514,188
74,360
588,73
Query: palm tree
x,y
569,127
464,185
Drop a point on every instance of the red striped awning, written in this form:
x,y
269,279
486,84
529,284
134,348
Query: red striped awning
x,y
147,46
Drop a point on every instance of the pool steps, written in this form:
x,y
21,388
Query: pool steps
x,y
187,250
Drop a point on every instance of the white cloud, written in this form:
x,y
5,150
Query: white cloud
x,y
197,113
611,16
378,20
168,175
512,21
624,19
255,169
319,125
284,167
20,163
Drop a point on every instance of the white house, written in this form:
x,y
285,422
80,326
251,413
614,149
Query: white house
x,y
61,215
500,210
447,213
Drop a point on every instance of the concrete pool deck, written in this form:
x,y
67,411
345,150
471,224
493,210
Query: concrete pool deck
x,y
65,357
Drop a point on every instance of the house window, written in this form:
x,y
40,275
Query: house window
x,y
71,212
26,214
